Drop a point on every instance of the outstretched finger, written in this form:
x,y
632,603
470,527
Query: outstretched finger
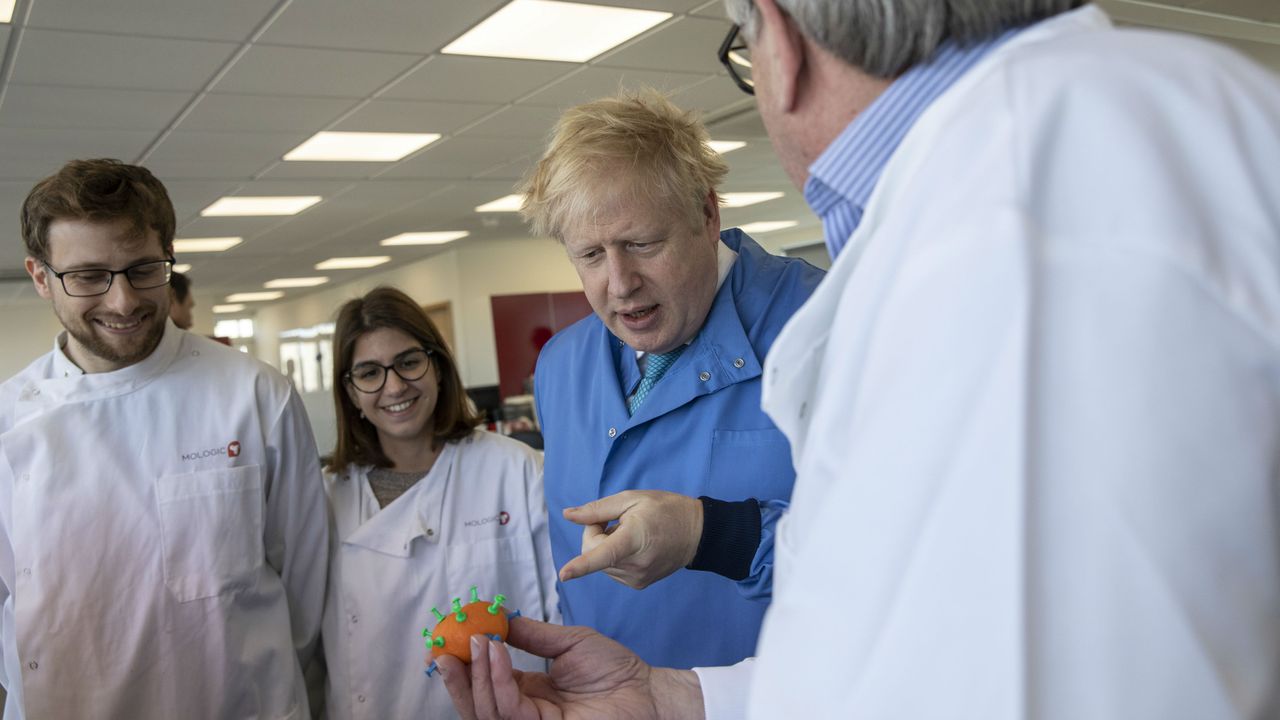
x,y
481,680
602,511
607,553
457,680
545,639
506,691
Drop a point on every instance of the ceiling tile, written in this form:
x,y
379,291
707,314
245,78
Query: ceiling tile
x,y
712,9
50,57
687,45
409,26
671,6
711,96
257,113
517,121
1266,11
269,69
194,19
191,196
67,107
597,82
462,157
320,170
476,79
191,154
1264,53
412,116
31,153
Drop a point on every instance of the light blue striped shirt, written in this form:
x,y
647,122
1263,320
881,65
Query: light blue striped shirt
x,y
842,178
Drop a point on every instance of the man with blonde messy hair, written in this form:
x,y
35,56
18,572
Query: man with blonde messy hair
x,y
655,400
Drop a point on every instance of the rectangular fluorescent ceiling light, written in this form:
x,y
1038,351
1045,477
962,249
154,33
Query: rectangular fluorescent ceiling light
x,y
768,226
244,206
182,267
426,238
6,10
360,146
353,263
552,30
507,203
743,199
209,244
254,296
295,282
233,308
724,146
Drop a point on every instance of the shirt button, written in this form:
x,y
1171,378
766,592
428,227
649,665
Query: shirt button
x,y
430,532
613,432
704,376
355,619
26,572
24,477
35,391
33,665
739,362
359,698
804,409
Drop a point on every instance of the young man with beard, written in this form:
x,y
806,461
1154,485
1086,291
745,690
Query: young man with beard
x,y
154,563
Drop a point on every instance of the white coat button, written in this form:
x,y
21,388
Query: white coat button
x,y
613,432
26,572
355,619
33,665
430,532
704,376
359,698
739,362
24,477
804,409
35,391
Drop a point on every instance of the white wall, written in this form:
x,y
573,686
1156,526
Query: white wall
x,y
28,330
465,276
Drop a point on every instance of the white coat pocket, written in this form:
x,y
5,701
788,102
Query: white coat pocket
x,y
211,525
497,565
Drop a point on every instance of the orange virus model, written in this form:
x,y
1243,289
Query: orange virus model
x,y
452,633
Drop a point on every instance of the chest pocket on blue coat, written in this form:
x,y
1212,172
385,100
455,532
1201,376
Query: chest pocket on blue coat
x,y
750,464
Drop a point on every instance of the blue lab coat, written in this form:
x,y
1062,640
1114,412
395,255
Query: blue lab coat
x,y
699,432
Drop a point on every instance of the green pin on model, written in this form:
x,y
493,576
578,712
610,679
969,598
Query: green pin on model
x,y
475,594
439,615
438,641
457,610
497,603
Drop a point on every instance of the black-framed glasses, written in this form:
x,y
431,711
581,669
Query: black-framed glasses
x,y
97,281
736,58
410,365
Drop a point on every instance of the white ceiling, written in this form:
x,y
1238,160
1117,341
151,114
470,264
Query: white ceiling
x,y
210,95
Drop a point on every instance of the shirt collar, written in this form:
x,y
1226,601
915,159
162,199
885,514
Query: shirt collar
x,y
844,175
62,365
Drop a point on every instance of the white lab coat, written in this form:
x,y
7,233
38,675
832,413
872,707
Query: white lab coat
x,y
478,518
1035,405
162,538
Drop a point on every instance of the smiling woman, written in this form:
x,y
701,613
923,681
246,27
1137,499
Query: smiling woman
x,y
409,477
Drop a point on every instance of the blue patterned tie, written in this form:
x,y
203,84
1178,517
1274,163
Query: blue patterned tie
x,y
655,366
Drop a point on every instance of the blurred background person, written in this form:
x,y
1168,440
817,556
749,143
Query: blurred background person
x,y
181,301
423,507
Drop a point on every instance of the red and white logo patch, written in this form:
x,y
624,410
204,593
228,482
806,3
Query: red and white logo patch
x,y
503,518
233,448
